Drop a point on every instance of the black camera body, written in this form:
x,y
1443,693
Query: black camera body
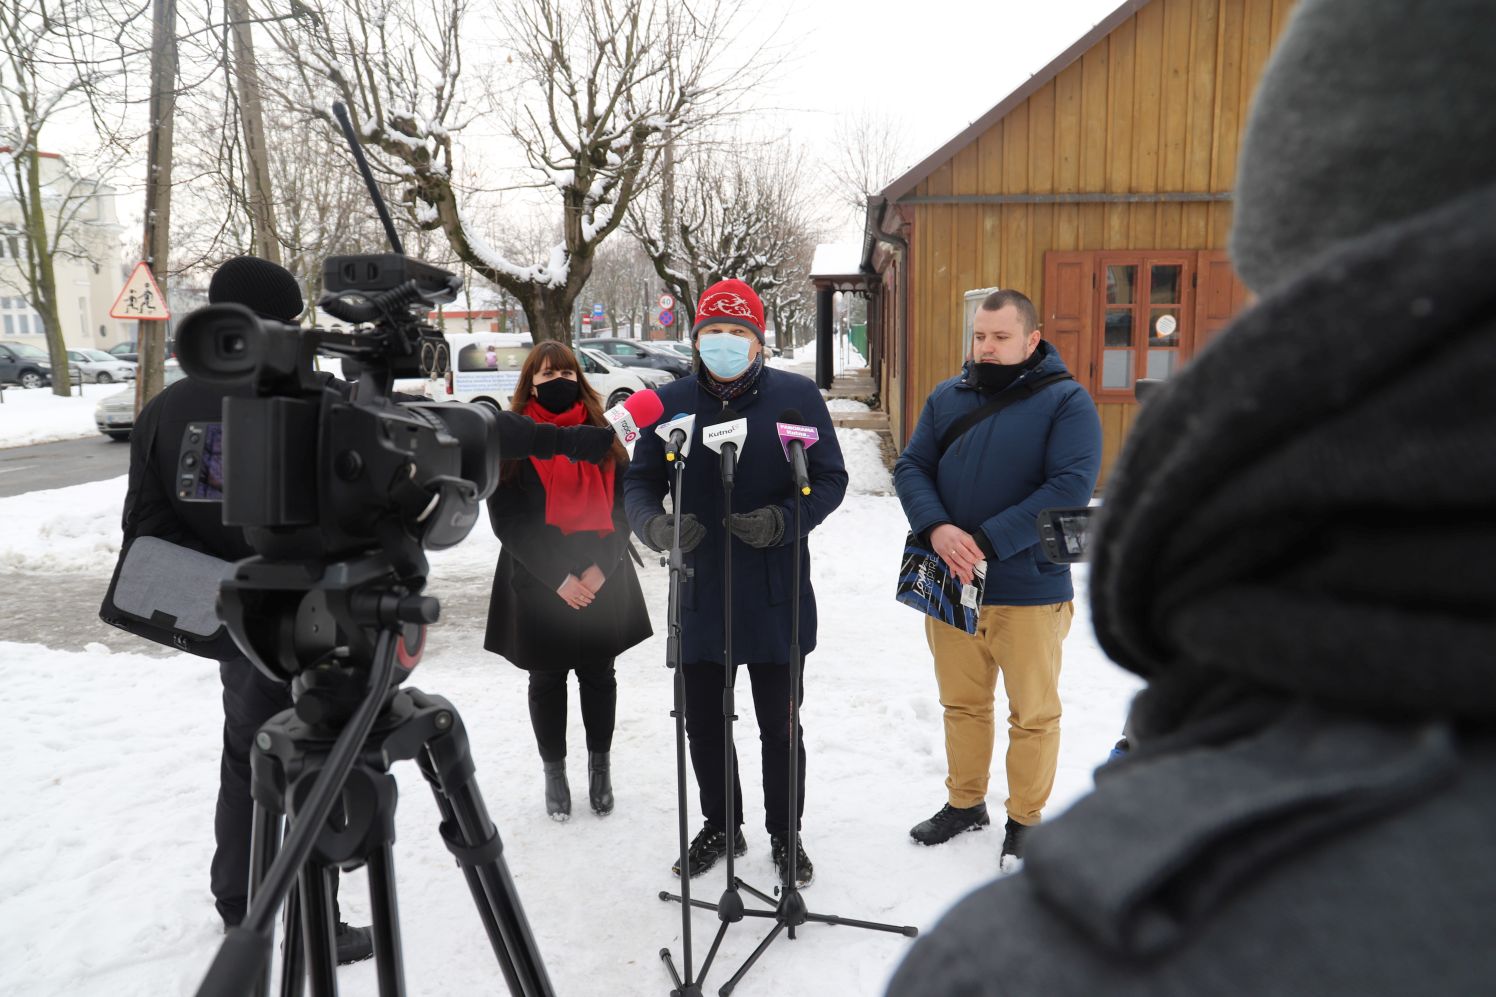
x,y
336,490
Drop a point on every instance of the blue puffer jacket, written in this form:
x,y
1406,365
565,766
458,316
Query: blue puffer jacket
x,y
1040,453
761,578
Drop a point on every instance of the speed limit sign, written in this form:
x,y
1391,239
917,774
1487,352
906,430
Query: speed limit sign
x,y
667,302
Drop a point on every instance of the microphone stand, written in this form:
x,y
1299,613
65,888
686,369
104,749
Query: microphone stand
x,y
789,912
676,560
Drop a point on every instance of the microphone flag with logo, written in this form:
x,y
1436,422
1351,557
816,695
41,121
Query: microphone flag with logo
x,y
677,435
635,414
795,437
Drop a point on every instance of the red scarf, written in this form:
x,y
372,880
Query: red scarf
x,y
578,497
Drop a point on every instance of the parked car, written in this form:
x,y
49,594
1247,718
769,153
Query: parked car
x,y
130,350
632,354
115,414
24,364
651,377
486,365
678,347
101,368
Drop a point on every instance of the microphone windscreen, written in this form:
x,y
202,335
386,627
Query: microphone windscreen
x,y
791,415
645,407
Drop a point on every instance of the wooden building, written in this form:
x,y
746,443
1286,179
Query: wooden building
x,y
1101,188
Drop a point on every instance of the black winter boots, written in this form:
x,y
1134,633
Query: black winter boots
x,y
557,791
599,783
949,822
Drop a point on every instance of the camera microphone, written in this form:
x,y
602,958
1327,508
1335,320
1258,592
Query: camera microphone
x,y
635,414
794,438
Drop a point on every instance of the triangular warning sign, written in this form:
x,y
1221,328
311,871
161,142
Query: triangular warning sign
x,y
141,298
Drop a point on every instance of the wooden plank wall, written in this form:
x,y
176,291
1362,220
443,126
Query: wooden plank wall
x,y
1156,106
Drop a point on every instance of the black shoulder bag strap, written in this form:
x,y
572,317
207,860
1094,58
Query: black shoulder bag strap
x,y
1002,401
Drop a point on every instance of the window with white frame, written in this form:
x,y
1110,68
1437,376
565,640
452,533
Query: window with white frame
x,y
971,301
17,318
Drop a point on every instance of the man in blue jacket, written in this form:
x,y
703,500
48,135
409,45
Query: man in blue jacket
x,y
729,336
974,500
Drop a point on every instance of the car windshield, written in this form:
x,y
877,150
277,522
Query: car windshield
x,y
28,351
98,355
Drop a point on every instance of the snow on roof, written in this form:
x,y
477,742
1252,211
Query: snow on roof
x,y
836,259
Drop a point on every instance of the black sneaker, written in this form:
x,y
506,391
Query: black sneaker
x,y
709,845
804,870
1011,859
354,944
949,822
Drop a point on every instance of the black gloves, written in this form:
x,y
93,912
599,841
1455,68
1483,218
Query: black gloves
x,y
584,443
659,532
759,528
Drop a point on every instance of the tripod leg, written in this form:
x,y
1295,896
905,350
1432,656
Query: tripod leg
x,y
471,836
264,843
737,977
388,959
293,956
317,930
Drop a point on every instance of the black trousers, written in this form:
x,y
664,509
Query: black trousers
x,y
249,699
772,689
599,689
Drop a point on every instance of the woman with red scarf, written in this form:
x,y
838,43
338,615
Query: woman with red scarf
x,y
565,597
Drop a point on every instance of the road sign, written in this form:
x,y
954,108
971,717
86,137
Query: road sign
x,y
141,298
597,310
586,319
667,318
667,302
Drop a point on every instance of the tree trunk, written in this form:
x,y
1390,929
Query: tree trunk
x,y
261,204
43,277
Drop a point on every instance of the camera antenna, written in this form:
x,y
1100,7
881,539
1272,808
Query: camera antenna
x,y
340,112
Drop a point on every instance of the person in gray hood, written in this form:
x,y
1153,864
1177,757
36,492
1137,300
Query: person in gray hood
x,y
1298,552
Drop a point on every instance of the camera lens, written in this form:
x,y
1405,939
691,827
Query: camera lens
x,y
233,344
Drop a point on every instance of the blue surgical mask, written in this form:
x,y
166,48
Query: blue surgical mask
x,y
724,354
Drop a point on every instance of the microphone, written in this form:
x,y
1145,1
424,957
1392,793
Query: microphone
x,y
634,414
725,434
794,438
677,435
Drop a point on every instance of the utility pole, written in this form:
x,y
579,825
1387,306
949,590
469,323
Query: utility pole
x,y
251,115
151,336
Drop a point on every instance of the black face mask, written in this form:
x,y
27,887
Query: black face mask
x,y
989,377
557,395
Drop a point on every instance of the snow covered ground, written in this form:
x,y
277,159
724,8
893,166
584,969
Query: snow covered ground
x,y
110,767
38,416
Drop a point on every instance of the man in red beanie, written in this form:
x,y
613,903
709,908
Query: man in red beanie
x,y
729,339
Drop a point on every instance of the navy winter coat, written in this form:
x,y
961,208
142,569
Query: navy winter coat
x,y
761,578
1040,453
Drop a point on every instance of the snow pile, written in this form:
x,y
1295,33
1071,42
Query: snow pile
x,y
846,405
72,530
38,416
862,449
112,772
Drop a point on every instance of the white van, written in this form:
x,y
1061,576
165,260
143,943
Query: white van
x,y
485,368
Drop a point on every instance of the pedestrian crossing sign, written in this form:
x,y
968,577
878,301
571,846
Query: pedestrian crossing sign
x,y
141,298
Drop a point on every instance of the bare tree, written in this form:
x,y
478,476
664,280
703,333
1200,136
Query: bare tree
x,y
597,83
868,152
54,59
747,212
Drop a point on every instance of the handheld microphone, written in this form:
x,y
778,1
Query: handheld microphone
x,y
677,435
725,435
635,414
794,438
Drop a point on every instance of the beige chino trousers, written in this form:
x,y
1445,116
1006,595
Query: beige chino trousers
x,y
1023,643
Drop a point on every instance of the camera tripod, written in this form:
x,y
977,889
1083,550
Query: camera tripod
x,y
350,724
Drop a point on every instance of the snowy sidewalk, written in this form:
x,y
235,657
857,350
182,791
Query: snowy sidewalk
x,y
110,771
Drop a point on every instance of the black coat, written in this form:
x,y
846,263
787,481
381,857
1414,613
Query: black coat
x,y
762,579
527,622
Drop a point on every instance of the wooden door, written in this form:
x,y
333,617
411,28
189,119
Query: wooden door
x,y
1066,317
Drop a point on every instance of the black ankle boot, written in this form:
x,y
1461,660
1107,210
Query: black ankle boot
x,y
599,785
557,791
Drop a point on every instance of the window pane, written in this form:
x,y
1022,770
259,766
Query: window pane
x,y
1161,363
1119,283
9,329
1164,327
1119,327
1116,368
1164,285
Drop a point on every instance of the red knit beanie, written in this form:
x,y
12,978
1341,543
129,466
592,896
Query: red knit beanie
x,y
730,301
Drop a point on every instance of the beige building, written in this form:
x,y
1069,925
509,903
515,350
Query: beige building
x,y
88,271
